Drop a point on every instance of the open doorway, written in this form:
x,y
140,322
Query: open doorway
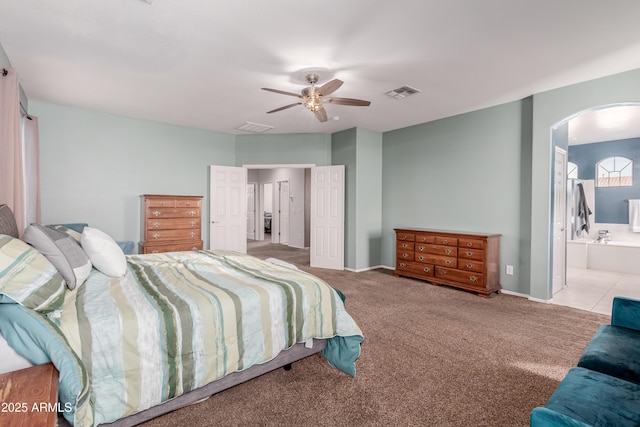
x,y
591,137
282,204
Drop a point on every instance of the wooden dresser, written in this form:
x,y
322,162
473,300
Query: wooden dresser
x,y
170,223
29,397
470,261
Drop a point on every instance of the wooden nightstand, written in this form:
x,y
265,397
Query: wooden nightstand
x,y
29,397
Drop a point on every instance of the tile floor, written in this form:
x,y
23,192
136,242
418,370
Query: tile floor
x,y
593,290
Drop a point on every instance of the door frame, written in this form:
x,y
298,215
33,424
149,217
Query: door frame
x,y
559,220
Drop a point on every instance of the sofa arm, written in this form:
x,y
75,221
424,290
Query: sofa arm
x,y
626,313
544,417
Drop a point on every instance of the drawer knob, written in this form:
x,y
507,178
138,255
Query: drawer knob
x,y
194,248
420,258
156,224
448,262
469,244
421,248
402,264
442,271
404,245
469,253
155,251
448,251
427,269
192,234
405,255
192,223
469,265
473,278
156,236
193,213
445,242
156,213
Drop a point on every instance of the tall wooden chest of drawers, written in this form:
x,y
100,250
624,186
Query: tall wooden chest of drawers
x,y
470,261
170,223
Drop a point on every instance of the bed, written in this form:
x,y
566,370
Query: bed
x,y
173,329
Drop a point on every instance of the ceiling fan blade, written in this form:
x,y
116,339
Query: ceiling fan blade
x,y
321,114
284,108
349,101
282,92
330,87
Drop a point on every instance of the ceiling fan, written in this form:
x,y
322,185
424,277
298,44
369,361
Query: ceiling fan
x,y
313,97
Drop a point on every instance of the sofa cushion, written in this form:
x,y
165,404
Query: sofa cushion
x,y
594,398
614,351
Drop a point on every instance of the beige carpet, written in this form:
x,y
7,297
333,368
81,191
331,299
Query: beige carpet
x,y
432,356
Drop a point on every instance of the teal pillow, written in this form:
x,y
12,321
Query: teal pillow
x,y
28,278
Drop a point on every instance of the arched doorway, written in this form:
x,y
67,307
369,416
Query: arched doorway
x,y
598,126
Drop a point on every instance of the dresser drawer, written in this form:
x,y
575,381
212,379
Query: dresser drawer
x,y
447,241
466,277
424,270
425,238
404,246
188,203
173,213
184,234
437,250
151,248
437,259
471,265
471,243
477,254
172,223
410,237
161,202
404,255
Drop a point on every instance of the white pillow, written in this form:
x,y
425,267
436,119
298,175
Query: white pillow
x,y
104,253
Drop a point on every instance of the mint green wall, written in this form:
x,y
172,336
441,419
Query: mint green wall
x,y
459,173
550,108
344,152
279,149
94,166
368,221
360,150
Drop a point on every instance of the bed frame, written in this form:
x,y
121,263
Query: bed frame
x,y
283,360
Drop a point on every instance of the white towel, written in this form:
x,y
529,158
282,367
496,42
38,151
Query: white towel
x,y
634,215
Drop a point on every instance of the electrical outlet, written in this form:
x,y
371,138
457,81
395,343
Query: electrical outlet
x,y
509,270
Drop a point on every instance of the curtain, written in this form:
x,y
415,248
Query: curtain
x,y
11,165
31,141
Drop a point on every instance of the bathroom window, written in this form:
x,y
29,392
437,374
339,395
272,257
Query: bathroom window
x,y
572,170
616,171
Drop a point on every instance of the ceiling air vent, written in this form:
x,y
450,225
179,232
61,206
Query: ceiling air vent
x,y
254,127
402,92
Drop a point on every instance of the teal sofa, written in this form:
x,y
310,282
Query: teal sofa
x,y
604,389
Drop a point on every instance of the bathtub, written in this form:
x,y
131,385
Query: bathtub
x,y
618,256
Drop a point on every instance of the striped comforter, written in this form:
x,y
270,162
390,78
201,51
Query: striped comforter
x,y
178,321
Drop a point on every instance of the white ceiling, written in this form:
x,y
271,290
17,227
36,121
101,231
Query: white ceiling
x,y
201,63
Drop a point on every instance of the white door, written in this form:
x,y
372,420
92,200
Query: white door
x,y
228,208
327,217
251,211
559,220
283,212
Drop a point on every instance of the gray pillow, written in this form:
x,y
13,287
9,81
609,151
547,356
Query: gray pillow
x,y
62,250
8,224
